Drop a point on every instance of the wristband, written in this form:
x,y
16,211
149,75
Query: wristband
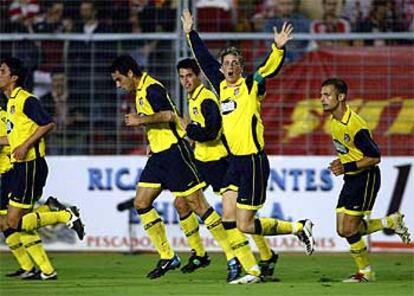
x,y
350,166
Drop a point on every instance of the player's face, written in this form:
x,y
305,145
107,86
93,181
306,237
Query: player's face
x,y
5,76
189,80
329,98
124,82
232,68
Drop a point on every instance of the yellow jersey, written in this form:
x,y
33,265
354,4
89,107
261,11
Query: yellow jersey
x,y
205,127
24,116
352,138
151,98
5,164
240,104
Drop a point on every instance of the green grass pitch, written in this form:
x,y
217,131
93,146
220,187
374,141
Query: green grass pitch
x,y
296,274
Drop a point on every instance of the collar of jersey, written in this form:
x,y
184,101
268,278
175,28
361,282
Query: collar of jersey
x,y
237,84
196,92
142,80
347,116
15,92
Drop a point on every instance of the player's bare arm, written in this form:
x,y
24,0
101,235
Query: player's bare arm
x,y
337,168
134,119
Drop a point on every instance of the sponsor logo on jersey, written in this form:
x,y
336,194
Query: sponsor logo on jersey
x,y
228,106
340,148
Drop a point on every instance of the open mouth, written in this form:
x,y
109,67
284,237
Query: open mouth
x,y
230,73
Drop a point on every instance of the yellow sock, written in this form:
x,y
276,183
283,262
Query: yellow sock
x,y
33,245
360,254
262,244
190,227
272,226
243,252
41,209
214,225
155,228
19,252
370,226
33,221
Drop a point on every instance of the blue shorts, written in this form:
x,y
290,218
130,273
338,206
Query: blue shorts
x,y
248,175
28,180
5,189
213,172
359,192
172,169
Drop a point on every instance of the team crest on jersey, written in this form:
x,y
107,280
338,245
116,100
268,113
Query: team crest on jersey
x,y
12,109
195,111
347,138
340,148
141,101
236,91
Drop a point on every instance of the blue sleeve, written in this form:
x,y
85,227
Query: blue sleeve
x,y
208,64
366,144
34,110
158,98
212,120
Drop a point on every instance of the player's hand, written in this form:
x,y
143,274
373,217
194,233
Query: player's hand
x,y
284,36
20,152
187,20
133,119
185,121
336,167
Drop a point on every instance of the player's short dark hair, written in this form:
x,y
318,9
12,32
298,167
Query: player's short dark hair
x,y
17,68
233,51
123,64
340,85
188,63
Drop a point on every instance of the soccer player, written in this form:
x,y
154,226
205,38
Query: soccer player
x,y
27,124
170,166
240,100
204,130
358,158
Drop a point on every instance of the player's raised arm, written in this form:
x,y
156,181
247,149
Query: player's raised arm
x,y
274,61
209,65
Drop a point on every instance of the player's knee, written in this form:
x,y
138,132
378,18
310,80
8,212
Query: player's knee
x,y
245,227
346,232
197,203
182,207
13,221
140,204
3,223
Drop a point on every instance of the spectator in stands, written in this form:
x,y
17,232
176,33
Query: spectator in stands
x,y
22,14
286,11
355,11
24,11
156,16
246,10
140,50
51,22
383,17
88,79
87,61
67,136
330,22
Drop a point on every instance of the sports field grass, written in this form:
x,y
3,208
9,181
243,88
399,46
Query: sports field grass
x,y
117,274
